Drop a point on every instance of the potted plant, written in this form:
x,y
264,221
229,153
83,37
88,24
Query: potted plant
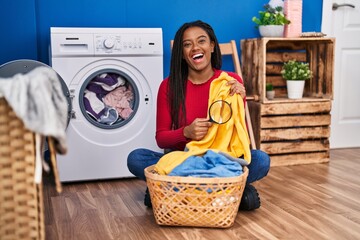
x,y
295,73
271,21
270,92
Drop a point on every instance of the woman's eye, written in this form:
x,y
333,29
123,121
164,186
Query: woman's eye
x,y
185,45
202,41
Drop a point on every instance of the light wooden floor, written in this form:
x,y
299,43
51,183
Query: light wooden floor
x,y
317,201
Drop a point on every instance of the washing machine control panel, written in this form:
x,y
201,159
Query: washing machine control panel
x,y
114,44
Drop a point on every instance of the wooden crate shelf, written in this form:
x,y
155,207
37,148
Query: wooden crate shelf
x,y
290,131
263,58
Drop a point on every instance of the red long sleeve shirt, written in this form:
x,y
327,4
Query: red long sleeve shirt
x,y
196,105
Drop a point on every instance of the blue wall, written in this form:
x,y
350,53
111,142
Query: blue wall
x,y
25,24
18,30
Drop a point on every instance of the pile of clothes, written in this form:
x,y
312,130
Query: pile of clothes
x,y
38,100
109,98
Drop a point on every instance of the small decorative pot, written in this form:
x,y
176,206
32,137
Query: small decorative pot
x,y
295,88
271,30
270,95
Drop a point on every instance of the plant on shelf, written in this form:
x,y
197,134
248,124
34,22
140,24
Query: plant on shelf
x,y
271,16
296,70
269,87
271,21
295,73
270,92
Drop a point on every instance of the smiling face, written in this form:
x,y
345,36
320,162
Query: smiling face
x,y
197,49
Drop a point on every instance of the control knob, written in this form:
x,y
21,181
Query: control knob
x,y
109,43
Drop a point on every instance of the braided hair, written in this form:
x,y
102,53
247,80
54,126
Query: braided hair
x,y
179,71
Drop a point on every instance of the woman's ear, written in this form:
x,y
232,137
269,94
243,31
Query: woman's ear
x,y
212,46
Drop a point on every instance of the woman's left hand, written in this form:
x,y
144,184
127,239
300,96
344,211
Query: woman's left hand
x,y
236,87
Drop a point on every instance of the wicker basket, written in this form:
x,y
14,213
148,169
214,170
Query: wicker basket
x,y
190,201
21,199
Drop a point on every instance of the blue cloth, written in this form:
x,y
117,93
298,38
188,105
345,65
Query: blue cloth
x,y
141,158
211,164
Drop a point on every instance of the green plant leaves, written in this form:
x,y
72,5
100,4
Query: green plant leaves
x,y
271,16
295,70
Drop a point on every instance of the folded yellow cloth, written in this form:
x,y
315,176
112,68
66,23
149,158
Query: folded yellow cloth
x,y
231,137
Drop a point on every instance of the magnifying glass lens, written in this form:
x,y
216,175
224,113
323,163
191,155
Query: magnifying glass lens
x,y
220,112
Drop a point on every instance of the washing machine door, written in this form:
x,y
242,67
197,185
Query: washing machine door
x,y
117,91
24,66
102,85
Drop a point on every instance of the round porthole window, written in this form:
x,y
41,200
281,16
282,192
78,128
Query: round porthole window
x,y
109,99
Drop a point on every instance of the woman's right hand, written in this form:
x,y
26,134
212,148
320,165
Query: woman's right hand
x,y
197,129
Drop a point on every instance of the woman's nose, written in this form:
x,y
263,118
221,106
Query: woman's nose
x,y
195,46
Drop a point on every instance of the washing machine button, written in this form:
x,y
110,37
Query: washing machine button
x,y
109,43
72,96
73,114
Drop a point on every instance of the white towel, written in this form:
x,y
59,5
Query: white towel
x,y
38,100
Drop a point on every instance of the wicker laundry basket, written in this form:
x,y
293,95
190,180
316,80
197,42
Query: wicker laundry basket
x,y
21,199
190,201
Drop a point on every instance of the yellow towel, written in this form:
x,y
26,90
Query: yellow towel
x,y
231,137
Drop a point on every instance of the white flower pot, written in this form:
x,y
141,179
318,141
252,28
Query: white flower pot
x,y
270,95
271,30
295,88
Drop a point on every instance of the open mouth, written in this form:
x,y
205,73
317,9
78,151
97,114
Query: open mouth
x,y
198,56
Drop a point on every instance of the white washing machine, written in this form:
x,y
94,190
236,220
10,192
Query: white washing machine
x,y
112,75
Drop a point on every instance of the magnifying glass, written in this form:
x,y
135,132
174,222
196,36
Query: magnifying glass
x,y
220,112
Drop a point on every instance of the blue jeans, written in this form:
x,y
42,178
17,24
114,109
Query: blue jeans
x,y
141,158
